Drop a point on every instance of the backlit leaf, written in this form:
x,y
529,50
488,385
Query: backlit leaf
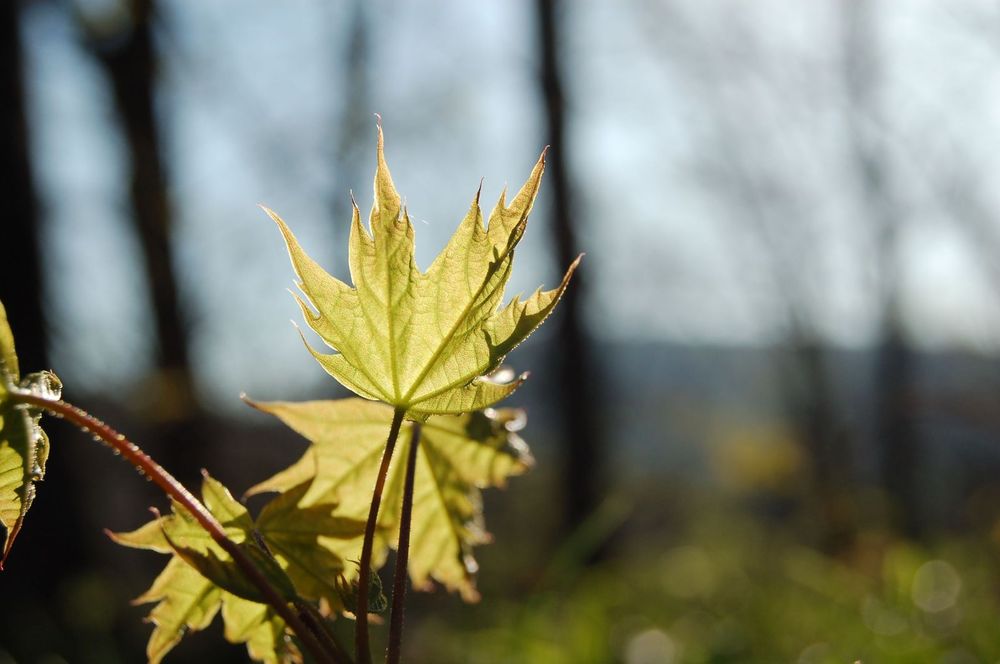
x,y
201,576
423,341
456,456
9,369
259,628
24,447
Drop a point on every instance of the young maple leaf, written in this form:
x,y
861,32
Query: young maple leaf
x,y
458,455
200,578
424,342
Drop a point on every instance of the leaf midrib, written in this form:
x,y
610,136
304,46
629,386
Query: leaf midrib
x,y
389,318
445,340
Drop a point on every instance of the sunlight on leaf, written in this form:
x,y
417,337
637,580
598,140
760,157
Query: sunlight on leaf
x,y
24,447
9,370
201,576
456,457
427,341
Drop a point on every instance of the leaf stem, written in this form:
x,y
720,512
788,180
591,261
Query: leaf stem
x,y
402,554
321,628
174,489
362,648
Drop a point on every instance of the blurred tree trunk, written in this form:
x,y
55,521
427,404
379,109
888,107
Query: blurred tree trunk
x,y
127,55
355,120
763,200
810,399
20,267
51,547
895,428
584,459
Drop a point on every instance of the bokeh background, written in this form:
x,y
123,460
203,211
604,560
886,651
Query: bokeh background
x,y
767,417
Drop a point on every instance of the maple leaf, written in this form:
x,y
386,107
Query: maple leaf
x,y
201,578
24,447
424,342
456,457
187,601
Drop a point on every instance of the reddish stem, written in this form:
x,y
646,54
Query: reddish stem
x,y
402,555
362,648
145,464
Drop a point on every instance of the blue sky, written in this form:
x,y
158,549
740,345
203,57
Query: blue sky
x,y
668,100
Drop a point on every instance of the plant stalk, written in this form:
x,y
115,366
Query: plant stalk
x,y
402,555
362,648
318,624
174,489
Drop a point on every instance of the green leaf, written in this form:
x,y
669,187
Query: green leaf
x,y
187,601
259,628
220,569
457,456
9,371
423,341
293,533
201,576
348,589
24,447
20,465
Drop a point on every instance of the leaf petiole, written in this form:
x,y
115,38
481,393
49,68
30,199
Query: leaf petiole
x,y
402,554
362,648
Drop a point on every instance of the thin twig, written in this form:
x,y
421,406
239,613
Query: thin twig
x,y
174,489
402,555
362,648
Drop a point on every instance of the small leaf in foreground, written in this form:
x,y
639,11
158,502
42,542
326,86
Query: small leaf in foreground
x,y
348,589
425,342
456,457
201,577
24,447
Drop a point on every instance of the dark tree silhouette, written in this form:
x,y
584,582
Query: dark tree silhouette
x,y
128,57
355,118
895,428
20,269
55,521
584,462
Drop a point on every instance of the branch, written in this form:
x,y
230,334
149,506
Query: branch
x,y
175,490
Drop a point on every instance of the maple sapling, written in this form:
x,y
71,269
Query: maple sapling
x,y
421,349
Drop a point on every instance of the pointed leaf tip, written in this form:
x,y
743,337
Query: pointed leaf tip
x,y
272,214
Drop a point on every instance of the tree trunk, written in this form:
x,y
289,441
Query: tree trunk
x,y
20,266
809,396
894,426
584,462
354,123
129,60
51,548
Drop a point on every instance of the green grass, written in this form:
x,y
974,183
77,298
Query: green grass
x,y
728,587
